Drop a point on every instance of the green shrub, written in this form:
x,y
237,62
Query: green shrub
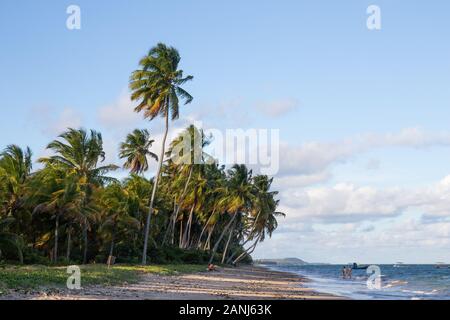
x,y
33,256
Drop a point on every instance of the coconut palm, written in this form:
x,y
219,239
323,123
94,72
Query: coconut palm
x,y
138,189
157,88
8,239
115,208
263,216
64,199
236,200
79,153
15,168
136,149
186,153
17,161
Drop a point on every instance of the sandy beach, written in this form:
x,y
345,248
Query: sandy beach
x,y
247,282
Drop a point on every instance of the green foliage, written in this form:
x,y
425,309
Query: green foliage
x,y
32,256
35,276
72,210
202,212
157,85
136,150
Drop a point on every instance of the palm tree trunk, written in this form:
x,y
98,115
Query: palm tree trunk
x,y
85,237
69,236
216,246
170,223
138,217
247,252
208,240
177,210
187,232
204,229
174,223
111,248
55,253
181,233
230,259
228,243
155,186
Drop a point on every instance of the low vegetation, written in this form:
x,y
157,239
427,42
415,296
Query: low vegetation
x,y
35,277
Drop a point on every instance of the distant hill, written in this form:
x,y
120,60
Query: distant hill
x,y
285,261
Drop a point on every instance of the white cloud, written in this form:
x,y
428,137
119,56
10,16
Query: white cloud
x,y
408,137
301,181
68,118
408,240
278,108
345,202
119,114
373,164
315,157
223,113
52,121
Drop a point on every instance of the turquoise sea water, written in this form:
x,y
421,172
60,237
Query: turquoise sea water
x,y
405,282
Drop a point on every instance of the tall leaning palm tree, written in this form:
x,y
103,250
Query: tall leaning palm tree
x,y
157,88
237,198
136,149
185,164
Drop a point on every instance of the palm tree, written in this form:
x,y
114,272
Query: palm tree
x,y
79,153
138,189
115,204
136,149
9,239
213,207
263,217
194,201
184,165
15,168
236,199
63,199
157,88
17,161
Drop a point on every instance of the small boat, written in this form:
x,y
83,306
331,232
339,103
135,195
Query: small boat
x,y
356,266
398,265
442,265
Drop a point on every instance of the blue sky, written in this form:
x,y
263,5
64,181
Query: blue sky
x,y
370,109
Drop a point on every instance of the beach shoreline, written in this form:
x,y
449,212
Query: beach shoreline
x,y
241,283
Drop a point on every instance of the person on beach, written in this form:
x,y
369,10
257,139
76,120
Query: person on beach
x,y
350,271
346,272
211,267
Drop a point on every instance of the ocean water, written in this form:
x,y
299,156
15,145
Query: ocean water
x,y
404,282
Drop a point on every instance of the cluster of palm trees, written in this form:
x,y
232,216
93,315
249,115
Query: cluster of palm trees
x,y
73,202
